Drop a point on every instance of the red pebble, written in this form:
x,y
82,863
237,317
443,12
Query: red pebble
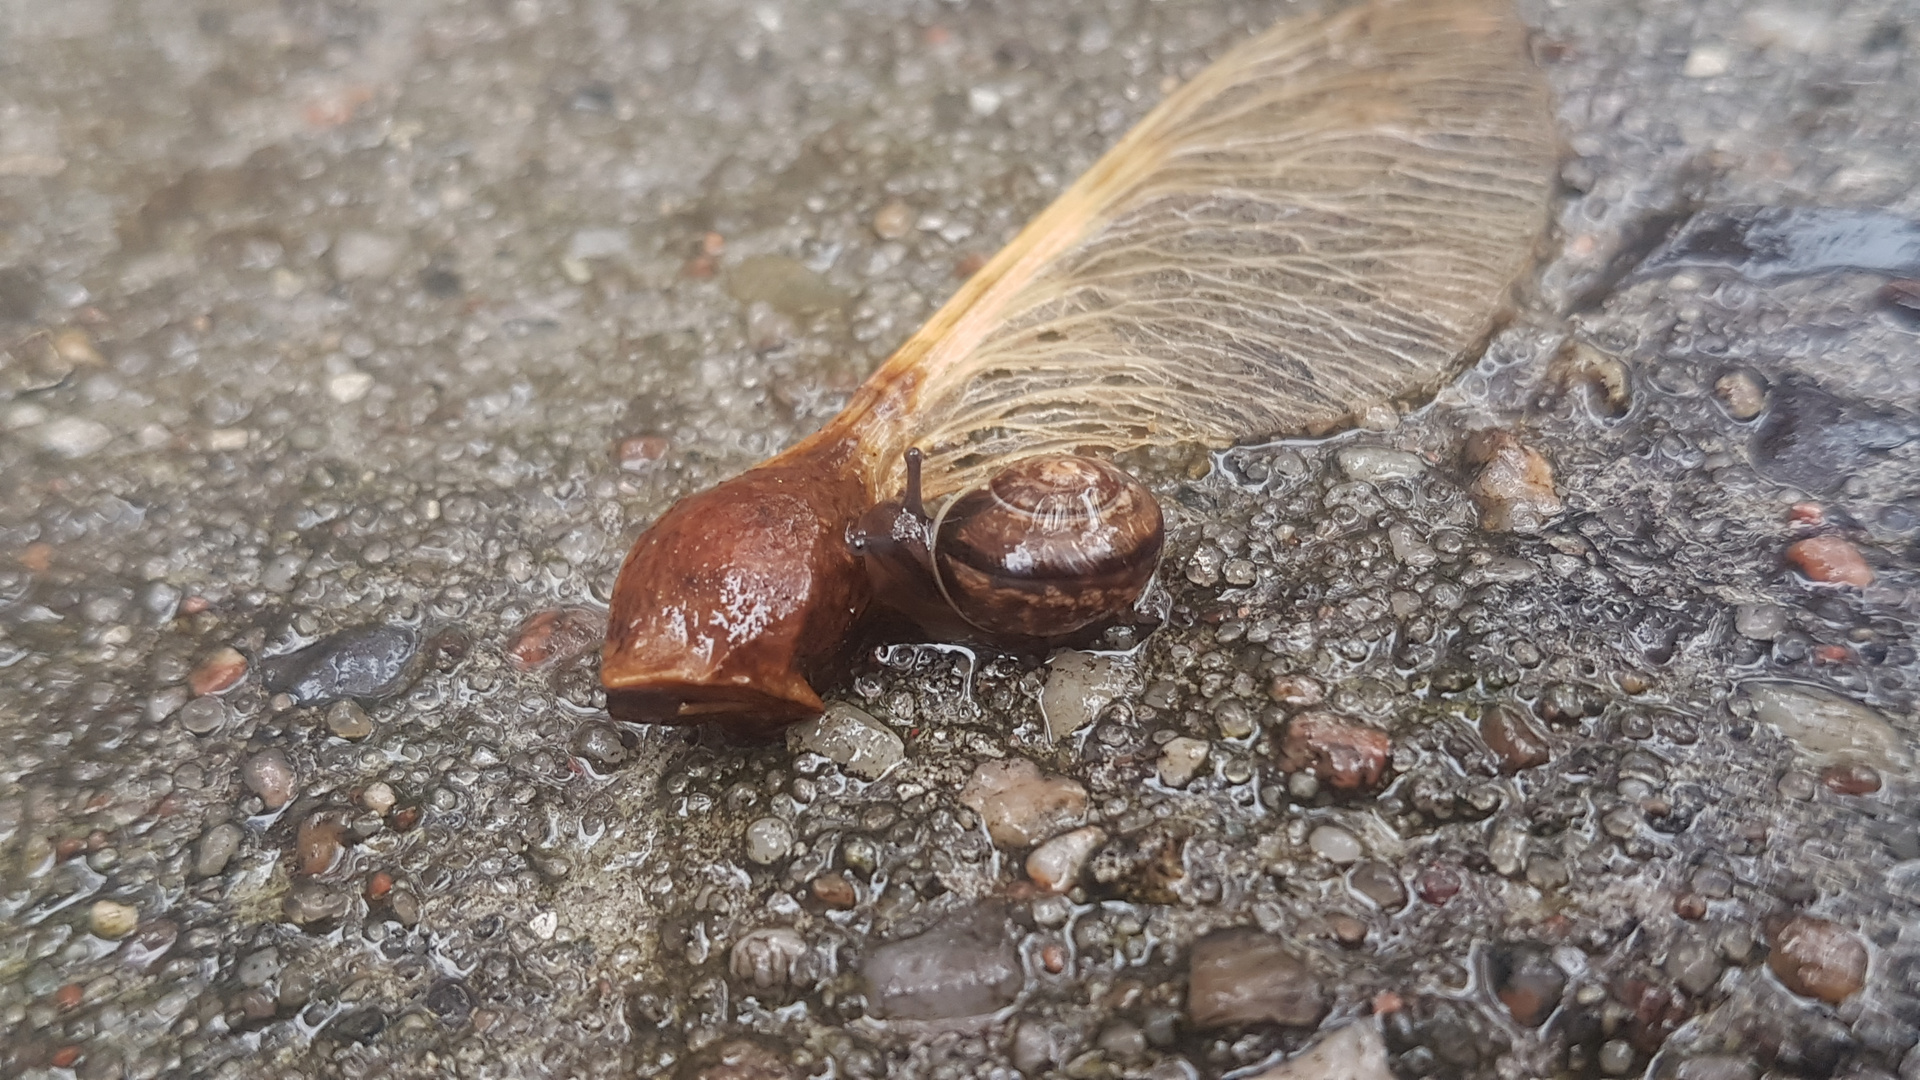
x,y
65,1058
379,885
1831,654
69,996
554,635
221,670
194,605
1437,885
1806,514
1342,755
1851,779
1053,956
1830,559
1386,1001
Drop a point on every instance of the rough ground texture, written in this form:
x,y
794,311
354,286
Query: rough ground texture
x,y
396,321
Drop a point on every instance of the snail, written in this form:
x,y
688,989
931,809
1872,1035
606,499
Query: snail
x,y
1332,216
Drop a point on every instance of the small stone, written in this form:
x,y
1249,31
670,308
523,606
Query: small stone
x,y
1079,685
1707,61
1830,560
555,636
112,920
787,284
1376,463
1180,761
599,745
1203,566
893,221
364,255
349,386
378,797
74,437
1242,977
347,720
1514,487
640,453
1741,395
1819,959
203,716
1513,738
1616,1057
1020,804
364,662
1347,930
1851,778
314,904
258,968
319,843
1438,884
1122,1041
850,738
765,959
1693,966
1761,622
222,670
1527,982
1334,844
1343,756
768,841
1056,864
834,891
1296,691
217,846
271,776
1826,727
967,966
1379,884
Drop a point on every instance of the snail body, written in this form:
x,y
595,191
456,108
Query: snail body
x,y
1330,217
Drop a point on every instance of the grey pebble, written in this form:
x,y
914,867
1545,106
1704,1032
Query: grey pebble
x,y
271,776
217,846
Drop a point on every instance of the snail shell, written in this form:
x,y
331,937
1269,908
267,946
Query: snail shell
x,y
1052,545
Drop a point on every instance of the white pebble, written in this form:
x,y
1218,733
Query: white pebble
x,y
768,840
1180,761
364,254
850,738
1056,864
349,387
378,797
74,437
1079,685
1371,463
1334,844
1706,61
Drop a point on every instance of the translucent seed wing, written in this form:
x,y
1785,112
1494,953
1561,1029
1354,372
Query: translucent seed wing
x,y
1331,216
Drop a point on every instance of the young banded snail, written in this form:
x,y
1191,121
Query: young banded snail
x,y
1331,216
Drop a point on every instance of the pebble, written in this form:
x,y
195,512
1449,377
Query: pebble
x,y
318,843
349,386
314,903
1334,844
222,670
1374,463
1056,864
1378,883
834,891
1527,982
1514,487
554,636
1513,738
258,968
1079,685
785,283
1851,778
1241,976
1438,884
967,966
1343,756
640,453
1296,691
74,437
1180,761
765,959
359,254
112,920
1693,965
850,738
1741,394
1825,726
347,720
1707,61
1819,959
1020,804
203,716
768,841
271,776
366,662
217,846
893,221
1616,1057
599,745
378,797
1761,622
1832,560
1354,1052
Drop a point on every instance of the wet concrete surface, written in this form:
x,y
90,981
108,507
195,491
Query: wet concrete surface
x,y
382,329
